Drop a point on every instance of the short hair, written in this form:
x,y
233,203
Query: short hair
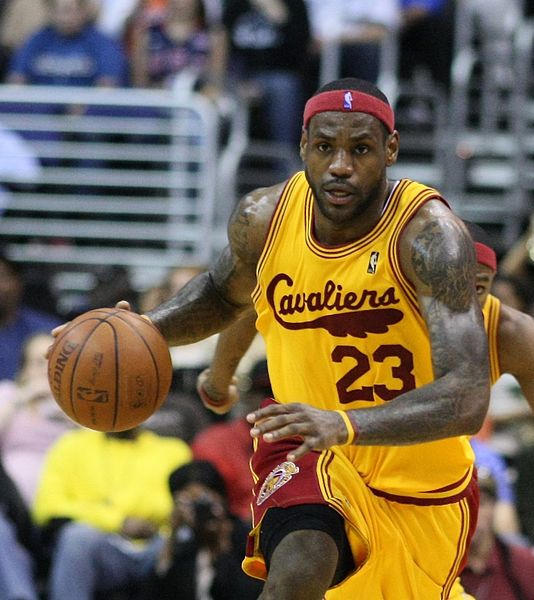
x,y
354,84
197,471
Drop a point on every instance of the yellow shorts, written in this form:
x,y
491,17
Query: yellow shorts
x,y
403,551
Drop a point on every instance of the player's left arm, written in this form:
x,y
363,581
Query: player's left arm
x,y
515,343
437,255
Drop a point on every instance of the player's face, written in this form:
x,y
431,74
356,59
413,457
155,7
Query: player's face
x,y
345,157
484,279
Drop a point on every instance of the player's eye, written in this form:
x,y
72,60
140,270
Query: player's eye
x,y
361,149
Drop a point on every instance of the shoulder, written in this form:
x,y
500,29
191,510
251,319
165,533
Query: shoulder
x,y
95,36
250,221
434,241
42,36
515,339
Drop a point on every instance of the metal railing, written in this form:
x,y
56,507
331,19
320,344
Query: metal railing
x,y
140,178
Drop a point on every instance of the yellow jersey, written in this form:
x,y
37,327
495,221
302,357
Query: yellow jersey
x,y
343,330
491,312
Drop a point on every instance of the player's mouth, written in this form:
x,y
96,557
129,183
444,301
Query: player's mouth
x,y
339,196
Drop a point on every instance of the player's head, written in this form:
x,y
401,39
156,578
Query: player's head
x,y
349,95
348,140
486,260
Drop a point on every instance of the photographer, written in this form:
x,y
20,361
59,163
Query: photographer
x,y
201,559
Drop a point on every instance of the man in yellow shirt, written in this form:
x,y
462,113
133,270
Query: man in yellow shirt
x,y
107,496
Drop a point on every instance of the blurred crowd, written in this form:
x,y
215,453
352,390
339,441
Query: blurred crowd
x,y
270,52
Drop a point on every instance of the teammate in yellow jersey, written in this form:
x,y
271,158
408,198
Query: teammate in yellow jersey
x,y
377,357
510,331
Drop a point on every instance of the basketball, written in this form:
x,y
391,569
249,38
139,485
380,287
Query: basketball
x,y
109,369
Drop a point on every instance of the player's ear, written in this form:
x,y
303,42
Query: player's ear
x,y
303,143
392,148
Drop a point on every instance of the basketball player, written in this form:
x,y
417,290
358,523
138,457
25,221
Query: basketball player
x,y
510,332
377,356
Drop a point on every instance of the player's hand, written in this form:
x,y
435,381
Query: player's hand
x,y
319,429
217,400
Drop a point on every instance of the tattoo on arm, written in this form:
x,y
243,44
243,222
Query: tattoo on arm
x,y
449,275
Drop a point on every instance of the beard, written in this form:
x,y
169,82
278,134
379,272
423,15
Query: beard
x,y
344,215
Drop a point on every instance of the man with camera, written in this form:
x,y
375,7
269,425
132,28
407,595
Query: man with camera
x,y
202,556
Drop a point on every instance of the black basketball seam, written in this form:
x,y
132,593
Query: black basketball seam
x,y
117,377
147,345
83,344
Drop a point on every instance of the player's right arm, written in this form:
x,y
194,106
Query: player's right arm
x,y
213,300
217,385
515,343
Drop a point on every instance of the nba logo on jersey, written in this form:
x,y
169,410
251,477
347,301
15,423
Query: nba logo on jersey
x,y
373,262
347,101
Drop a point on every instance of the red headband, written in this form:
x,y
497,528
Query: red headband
x,y
486,256
349,101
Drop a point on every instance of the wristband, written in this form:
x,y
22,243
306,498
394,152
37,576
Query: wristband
x,y
208,400
351,430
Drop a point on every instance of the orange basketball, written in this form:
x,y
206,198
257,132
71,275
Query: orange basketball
x,y
110,369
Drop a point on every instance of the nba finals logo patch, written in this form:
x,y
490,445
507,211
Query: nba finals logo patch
x,y
278,477
373,262
347,101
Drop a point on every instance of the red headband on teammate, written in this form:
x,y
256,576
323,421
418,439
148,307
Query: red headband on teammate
x,y
486,256
349,101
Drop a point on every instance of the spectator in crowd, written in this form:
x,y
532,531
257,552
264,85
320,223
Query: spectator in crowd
x,y
18,20
524,466
114,16
70,50
30,418
495,567
18,321
348,37
425,26
102,502
269,42
179,47
505,511
20,550
202,555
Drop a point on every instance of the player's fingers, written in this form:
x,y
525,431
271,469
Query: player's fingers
x,y
275,428
57,330
299,452
124,304
272,410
